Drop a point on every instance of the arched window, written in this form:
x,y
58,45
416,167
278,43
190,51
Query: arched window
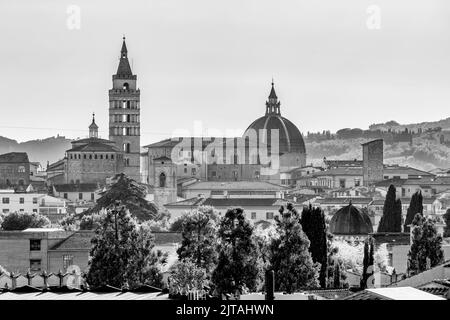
x,y
162,180
126,147
125,86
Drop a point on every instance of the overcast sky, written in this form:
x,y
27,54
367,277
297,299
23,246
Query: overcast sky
x,y
212,61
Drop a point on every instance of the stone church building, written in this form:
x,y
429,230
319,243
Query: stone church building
x,y
270,145
92,159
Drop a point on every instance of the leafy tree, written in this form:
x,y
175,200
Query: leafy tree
x,y
447,223
291,260
186,275
263,235
122,253
426,247
391,221
351,254
314,226
368,262
415,206
237,263
24,220
131,194
199,238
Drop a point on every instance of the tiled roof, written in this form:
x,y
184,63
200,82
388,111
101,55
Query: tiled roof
x,y
395,182
394,169
343,163
244,202
14,157
94,146
429,181
92,139
196,201
331,294
70,187
341,171
234,185
80,240
345,201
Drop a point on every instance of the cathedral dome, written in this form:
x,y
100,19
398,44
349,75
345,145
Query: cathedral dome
x,y
350,220
291,140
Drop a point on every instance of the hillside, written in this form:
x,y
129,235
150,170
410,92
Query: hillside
x,y
42,150
395,126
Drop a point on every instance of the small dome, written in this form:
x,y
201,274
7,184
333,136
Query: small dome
x,y
350,220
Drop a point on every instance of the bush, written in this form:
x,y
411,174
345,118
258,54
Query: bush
x,y
24,220
186,275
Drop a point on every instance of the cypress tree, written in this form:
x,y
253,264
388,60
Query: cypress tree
x,y
314,226
368,262
447,224
415,206
391,221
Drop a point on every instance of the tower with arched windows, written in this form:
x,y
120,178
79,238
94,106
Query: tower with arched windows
x,y
124,112
164,180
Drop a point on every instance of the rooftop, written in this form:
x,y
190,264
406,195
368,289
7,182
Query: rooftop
x,y
14,157
235,185
81,187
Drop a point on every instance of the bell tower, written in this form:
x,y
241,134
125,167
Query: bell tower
x,y
124,111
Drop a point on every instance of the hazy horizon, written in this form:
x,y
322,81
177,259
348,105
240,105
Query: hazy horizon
x,y
213,62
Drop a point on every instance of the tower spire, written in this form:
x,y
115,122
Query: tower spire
x,y
93,128
124,69
273,105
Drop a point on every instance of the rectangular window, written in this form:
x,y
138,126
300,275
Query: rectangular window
x,y
34,210
35,245
80,196
342,183
67,261
185,170
65,195
35,265
213,173
21,200
5,210
34,200
253,215
269,215
5,200
92,196
193,171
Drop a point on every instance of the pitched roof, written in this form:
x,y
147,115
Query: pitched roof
x,y
95,146
340,171
396,293
71,187
405,170
235,185
244,202
345,201
80,240
14,157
